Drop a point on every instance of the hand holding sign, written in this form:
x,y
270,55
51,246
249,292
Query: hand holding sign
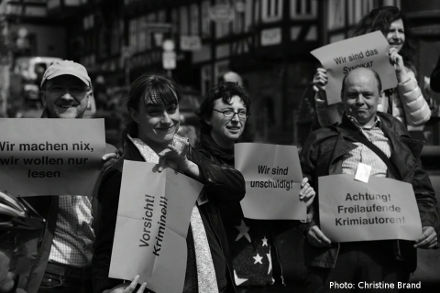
x,y
428,238
320,80
369,50
317,238
174,155
307,193
397,60
124,288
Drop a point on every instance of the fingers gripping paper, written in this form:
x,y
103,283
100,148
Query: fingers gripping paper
x,y
382,209
152,223
339,58
273,178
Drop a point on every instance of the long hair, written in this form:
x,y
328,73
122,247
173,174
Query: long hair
x,y
151,89
224,91
380,19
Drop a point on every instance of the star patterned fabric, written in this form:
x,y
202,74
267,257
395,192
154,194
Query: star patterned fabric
x,y
251,253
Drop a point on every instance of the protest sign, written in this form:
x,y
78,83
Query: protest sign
x,y
339,58
273,180
153,216
50,156
381,209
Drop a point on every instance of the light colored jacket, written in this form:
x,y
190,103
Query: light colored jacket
x,y
407,103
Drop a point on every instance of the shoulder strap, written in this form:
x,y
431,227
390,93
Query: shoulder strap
x,y
362,139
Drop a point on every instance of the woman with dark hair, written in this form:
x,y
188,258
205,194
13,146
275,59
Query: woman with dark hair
x,y
226,93
153,107
406,101
223,116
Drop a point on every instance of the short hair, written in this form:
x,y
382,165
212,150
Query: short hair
x,y
224,91
153,89
376,76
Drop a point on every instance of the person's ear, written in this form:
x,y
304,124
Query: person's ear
x,y
89,97
207,121
43,97
133,115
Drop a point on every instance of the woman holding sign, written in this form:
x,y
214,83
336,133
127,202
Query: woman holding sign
x,y
255,257
405,102
153,105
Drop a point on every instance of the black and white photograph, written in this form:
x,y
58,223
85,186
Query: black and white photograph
x,y
219,146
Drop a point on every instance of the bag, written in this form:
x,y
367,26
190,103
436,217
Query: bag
x,y
21,229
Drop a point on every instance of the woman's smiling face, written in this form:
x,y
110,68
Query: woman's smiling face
x,y
157,123
396,34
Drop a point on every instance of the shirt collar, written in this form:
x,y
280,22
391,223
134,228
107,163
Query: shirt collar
x,y
356,122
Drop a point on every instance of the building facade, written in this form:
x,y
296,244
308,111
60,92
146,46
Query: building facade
x,y
268,42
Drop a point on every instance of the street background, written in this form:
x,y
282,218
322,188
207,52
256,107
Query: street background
x,y
267,42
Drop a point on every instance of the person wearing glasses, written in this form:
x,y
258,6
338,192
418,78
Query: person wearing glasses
x,y
65,253
223,117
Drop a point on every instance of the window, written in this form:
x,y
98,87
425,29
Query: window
x,y
239,19
358,9
223,28
183,23
133,34
248,15
206,23
271,10
336,14
194,18
303,9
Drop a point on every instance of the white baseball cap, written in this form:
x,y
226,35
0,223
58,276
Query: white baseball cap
x,y
66,67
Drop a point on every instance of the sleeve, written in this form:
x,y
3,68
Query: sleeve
x,y
416,108
422,186
108,197
222,182
327,114
308,160
425,197
435,77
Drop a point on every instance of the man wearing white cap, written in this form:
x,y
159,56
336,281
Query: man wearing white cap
x,y
64,258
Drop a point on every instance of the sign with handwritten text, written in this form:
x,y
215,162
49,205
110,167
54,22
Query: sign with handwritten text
x,y
273,180
153,216
369,50
382,209
42,156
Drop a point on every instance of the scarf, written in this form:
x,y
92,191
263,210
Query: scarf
x,y
206,278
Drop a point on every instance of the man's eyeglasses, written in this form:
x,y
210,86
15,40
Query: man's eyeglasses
x,y
75,91
242,114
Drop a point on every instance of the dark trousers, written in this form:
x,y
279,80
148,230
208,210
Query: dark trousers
x,y
60,278
360,267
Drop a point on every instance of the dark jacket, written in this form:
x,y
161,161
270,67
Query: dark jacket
x,y
285,238
47,207
327,146
435,77
222,183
